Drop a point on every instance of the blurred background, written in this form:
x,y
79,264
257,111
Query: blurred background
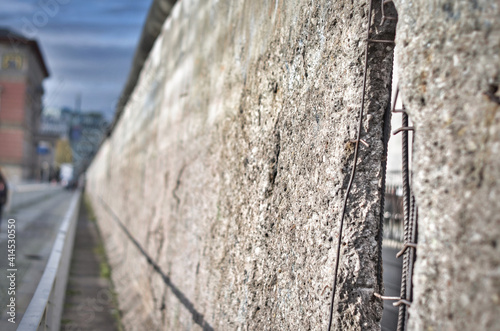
x,y
63,65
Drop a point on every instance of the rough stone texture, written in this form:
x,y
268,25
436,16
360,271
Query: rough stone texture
x,y
229,165
450,68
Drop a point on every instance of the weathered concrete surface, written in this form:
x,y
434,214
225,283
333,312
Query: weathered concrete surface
x,y
229,166
450,68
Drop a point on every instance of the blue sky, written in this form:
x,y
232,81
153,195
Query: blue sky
x,y
88,45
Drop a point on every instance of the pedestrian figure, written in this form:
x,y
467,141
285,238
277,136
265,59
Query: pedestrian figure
x,y
3,194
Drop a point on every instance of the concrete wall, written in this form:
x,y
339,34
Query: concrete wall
x,y
220,189
449,53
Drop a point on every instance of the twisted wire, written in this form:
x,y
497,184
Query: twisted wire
x,y
413,223
407,231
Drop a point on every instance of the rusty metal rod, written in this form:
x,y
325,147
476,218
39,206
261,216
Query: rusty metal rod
x,y
405,247
403,128
407,236
381,41
378,295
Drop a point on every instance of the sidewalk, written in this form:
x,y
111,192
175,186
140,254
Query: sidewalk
x,y
36,228
89,303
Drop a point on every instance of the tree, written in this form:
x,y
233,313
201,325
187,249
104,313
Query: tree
x,y
63,152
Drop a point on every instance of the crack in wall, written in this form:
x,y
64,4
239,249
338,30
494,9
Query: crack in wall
x,y
177,186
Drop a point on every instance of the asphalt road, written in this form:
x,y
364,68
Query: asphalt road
x,y
36,228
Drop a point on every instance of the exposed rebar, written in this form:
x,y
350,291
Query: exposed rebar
x,y
407,231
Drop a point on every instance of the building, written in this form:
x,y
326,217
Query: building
x,y
22,71
54,126
85,135
84,131
56,121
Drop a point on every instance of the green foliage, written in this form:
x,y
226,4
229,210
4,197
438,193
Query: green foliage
x,y
63,152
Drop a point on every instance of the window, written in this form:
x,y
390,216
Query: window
x,y
12,61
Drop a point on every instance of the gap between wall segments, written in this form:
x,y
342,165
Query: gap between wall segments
x,y
356,152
